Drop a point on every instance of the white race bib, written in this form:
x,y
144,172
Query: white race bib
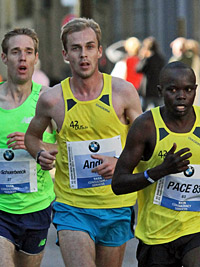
x,y
181,191
81,163
18,172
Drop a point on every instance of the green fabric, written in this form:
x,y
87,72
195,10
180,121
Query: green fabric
x,y
14,120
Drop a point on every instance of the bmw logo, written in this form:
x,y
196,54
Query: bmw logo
x,y
189,172
8,155
94,147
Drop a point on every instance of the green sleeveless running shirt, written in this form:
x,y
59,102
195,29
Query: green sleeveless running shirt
x,y
17,120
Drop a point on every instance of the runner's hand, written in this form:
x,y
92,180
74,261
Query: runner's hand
x,y
47,158
16,140
106,168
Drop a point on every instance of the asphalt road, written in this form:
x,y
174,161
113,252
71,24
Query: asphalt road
x,y
53,258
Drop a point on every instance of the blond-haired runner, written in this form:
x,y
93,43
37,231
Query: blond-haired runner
x,y
93,113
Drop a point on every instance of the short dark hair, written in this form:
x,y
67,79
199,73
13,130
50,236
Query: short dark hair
x,y
79,24
20,31
175,65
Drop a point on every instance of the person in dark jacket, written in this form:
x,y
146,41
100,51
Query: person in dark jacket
x,y
150,65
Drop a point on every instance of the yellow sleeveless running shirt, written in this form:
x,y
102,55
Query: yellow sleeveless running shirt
x,y
89,127
163,213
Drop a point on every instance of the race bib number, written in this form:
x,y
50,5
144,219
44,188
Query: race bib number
x,y
181,191
81,163
18,172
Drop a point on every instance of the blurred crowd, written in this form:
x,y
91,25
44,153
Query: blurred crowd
x,y
140,62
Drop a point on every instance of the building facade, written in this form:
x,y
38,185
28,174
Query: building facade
x,y
165,20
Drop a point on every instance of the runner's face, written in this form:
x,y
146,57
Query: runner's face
x,y
20,59
83,53
179,90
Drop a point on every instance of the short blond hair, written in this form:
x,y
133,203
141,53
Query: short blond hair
x,y
132,46
79,24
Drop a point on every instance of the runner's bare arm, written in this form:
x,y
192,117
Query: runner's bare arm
x,y
127,106
34,134
123,180
126,101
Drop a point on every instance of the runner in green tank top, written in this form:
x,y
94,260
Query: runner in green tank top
x,y
26,191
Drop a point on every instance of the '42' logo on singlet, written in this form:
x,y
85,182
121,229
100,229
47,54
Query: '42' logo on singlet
x,y
76,126
162,154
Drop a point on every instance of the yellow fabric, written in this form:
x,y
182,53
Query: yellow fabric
x,y
157,224
88,120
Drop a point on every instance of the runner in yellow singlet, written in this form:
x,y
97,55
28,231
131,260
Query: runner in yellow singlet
x,y
166,164
93,112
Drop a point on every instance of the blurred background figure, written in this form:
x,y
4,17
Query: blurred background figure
x,y
150,64
132,47
192,47
125,68
39,76
115,52
180,52
178,48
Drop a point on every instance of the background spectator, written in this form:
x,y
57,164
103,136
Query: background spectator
x,y
126,68
192,46
179,51
39,76
150,65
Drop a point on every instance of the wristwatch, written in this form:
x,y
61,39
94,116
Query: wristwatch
x,y
38,155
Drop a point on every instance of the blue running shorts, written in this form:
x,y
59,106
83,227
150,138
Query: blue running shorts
x,y
28,232
106,227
